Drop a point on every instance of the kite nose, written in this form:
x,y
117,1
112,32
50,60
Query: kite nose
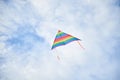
x,y
59,30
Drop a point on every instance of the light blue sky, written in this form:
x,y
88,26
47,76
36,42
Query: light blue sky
x,y
28,28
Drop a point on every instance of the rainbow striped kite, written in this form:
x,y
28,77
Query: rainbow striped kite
x,y
63,39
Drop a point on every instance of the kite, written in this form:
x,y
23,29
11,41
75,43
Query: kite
x,y
63,39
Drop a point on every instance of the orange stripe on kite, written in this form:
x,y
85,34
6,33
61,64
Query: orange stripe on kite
x,y
62,38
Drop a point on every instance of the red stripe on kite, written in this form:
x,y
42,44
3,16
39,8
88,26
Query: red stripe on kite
x,y
62,38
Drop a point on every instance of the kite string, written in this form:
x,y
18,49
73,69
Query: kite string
x,y
80,45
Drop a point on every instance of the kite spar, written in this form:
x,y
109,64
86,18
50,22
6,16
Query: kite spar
x,y
63,39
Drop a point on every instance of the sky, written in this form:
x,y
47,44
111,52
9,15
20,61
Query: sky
x,y
28,29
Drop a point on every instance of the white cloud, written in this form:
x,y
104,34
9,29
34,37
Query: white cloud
x,y
93,21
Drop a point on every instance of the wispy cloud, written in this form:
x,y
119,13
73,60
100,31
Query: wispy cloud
x,y
27,30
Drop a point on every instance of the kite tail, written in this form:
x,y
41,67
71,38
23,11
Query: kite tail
x,y
58,58
80,45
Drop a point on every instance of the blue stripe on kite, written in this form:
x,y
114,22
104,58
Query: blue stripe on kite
x,y
70,40
64,34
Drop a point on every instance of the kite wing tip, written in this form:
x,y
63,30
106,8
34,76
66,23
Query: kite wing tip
x,y
52,48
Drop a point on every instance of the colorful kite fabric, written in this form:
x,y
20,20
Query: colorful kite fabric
x,y
63,39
